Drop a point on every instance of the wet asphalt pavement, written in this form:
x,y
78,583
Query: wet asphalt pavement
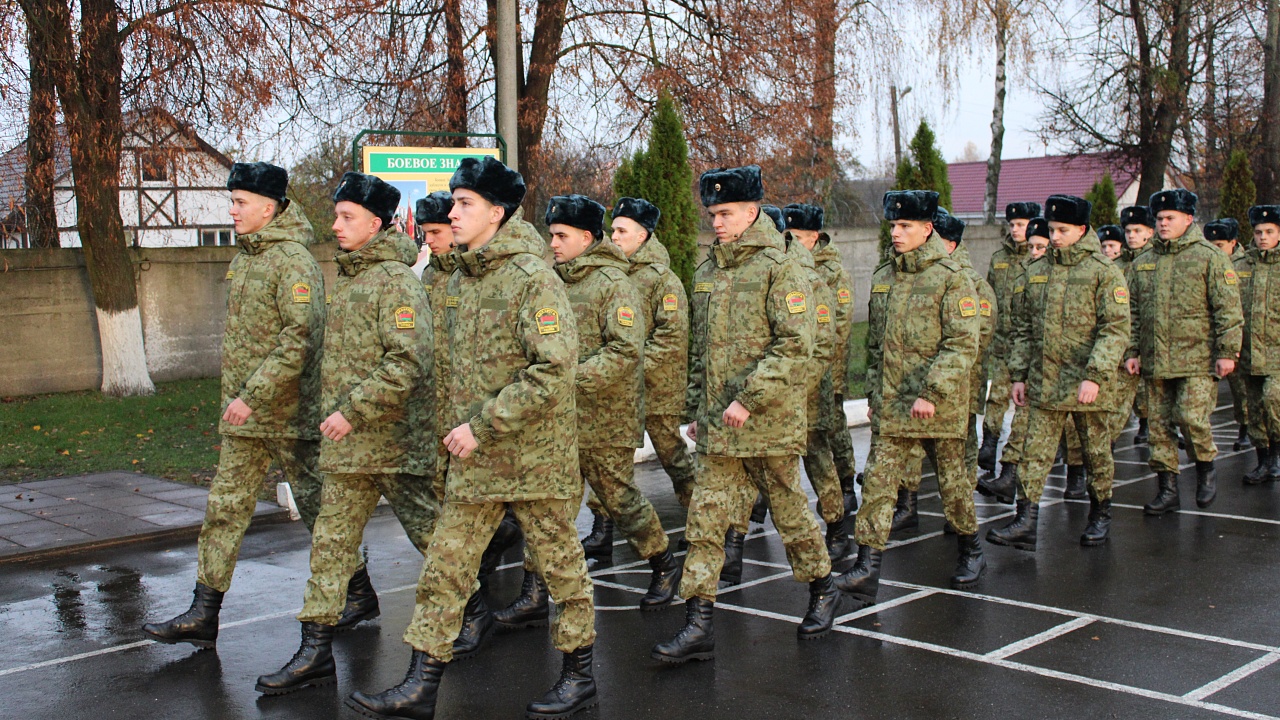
x,y
1177,617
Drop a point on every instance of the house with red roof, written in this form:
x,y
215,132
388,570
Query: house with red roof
x,y
1034,179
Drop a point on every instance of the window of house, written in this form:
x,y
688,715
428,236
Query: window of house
x,y
214,238
154,166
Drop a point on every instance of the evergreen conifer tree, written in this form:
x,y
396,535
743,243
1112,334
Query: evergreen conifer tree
x,y
1103,197
1238,192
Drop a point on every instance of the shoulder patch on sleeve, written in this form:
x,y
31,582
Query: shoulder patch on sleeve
x,y
230,274
984,308
1121,295
404,318
548,321
1230,276
670,303
843,296
968,306
301,292
796,302
626,316
824,314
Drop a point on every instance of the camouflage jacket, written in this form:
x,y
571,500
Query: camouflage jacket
x,y
1186,307
986,329
275,330
436,279
609,313
827,258
378,369
1006,267
1073,326
666,349
818,394
514,350
1259,273
921,342
752,336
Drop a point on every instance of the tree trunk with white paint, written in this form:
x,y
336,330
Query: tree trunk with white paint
x,y
1002,12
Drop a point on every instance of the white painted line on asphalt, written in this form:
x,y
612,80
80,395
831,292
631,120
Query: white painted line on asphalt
x,y
873,609
1202,513
1056,631
1232,677
78,656
752,583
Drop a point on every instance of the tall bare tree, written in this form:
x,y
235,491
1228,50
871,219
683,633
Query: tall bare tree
x,y
1268,165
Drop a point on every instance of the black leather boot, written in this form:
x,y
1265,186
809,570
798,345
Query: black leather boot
x,y
530,609
1075,483
1004,488
1259,474
906,515
507,536
824,603
1273,468
849,494
1021,533
1140,437
574,691
1166,499
1206,483
477,624
970,564
760,509
664,582
599,544
987,453
311,666
1099,528
413,699
838,542
1242,439
862,582
198,625
732,571
362,601
695,641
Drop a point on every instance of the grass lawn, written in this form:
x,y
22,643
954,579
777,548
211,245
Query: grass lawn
x,y
172,434
857,362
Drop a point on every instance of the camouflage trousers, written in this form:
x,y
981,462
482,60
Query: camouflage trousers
x,y
841,442
820,469
723,483
897,462
610,473
1046,427
453,559
1239,384
998,397
914,479
1181,403
1264,410
347,502
1127,389
668,443
243,463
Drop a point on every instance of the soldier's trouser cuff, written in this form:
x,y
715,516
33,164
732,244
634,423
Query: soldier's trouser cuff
x,y
1184,403
347,502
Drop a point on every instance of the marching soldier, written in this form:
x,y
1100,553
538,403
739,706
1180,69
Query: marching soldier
x,y
827,259
921,346
666,354
514,352
609,379
1186,332
752,337
431,215
1069,337
1003,273
270,387
1224,233
379,407
951,229
1260,298
1139,228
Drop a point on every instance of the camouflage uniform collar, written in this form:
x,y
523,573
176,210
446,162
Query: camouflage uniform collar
x,y
651,252
598,254
1192,236
825,250
1013,246
387,246
761,234
1239,251
961,257
922,257
798,252
289,225
1266,257
445,263
1076,254
514,238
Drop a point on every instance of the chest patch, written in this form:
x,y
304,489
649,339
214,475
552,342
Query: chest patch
x,y
796,303
703,287
968,307
301,293
843,296
670,302
548,321
451,300
1144,267
626,318
404,318
1001,266
879,288
1245,273
1035,279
